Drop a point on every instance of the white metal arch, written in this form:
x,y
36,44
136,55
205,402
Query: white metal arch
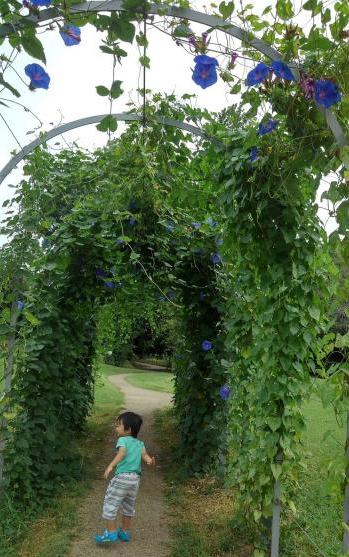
x,y
125,117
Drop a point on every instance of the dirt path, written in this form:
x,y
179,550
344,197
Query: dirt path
x,y
150,533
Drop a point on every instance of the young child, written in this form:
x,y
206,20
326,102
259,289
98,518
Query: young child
x,y
123,487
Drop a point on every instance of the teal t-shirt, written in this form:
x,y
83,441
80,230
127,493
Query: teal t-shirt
x,y
133,457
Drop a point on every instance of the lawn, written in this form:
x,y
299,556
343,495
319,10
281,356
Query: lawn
x,y
317,528
153,380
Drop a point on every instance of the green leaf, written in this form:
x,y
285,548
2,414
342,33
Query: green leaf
x,y
103,91
124,29
343,216
33,46
9,86
145,61
182,30
31,318
226,9
142,40
310,5
314,312
116,90
108,123
4,329
284,9
276,470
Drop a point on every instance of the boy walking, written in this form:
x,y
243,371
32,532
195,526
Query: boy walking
x,y
123,487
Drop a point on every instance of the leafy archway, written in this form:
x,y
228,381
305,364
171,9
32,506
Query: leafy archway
x,y
277,281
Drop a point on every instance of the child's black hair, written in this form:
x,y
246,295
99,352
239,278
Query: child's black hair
x,y
131,421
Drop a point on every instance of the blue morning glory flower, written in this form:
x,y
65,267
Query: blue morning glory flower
x,y
205,73
224,392
120,242
109,284
267,128
20,305
258,74
196,225
38,77
171,294
162,298
202,295
326,92
211,222
132,221
216,258
206,345
133,206
282,70
199,251
70,34
102,273
41,2
170,227
254,154
178,356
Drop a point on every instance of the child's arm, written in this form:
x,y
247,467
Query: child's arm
x,y
150,460
118,458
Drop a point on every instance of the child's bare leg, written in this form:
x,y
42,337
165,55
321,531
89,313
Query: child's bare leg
x,y
126,522
111,525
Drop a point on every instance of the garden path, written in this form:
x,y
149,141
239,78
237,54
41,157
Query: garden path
x,y
150,531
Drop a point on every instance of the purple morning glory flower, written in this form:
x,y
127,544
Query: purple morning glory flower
x,y
282,70
267,128
20,305
326,92
216,258
40,2
102,273
70,34
258,74
38,77
211,222
307,84
206,345
196,225
254,154
132,221
224,392
205,73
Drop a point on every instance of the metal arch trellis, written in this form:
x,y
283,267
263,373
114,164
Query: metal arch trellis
x,y
191,15
125,117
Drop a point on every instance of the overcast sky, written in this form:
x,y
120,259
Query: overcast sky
x,y
76,71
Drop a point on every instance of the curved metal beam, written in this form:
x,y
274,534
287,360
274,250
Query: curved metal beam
x,y
94,120
192,15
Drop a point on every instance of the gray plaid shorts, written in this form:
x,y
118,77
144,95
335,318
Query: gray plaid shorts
x,y
121,492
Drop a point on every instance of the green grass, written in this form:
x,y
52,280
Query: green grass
x,y
153,380
317,497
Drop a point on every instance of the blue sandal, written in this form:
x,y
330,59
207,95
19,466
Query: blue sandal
x,y
123,536
107,537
